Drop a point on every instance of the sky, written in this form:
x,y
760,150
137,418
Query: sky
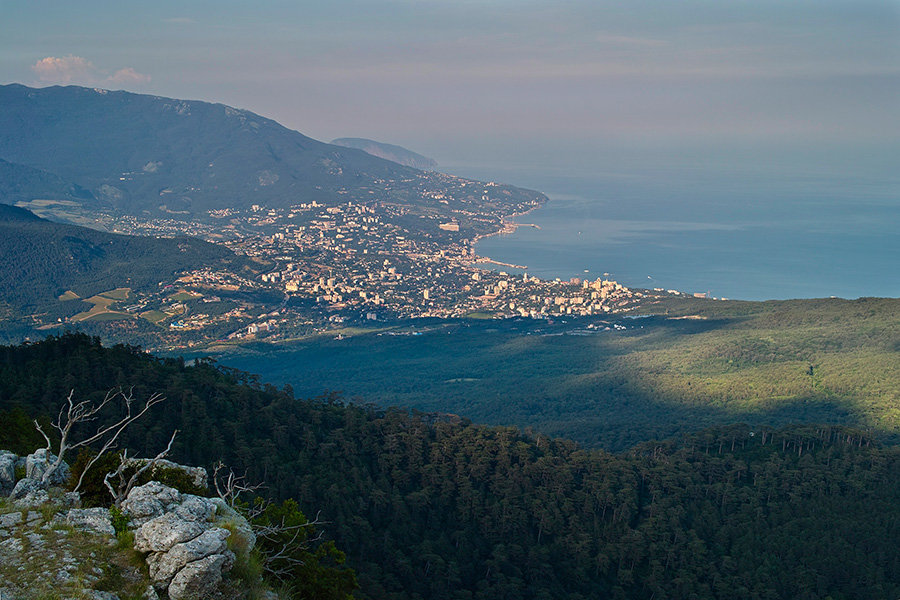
x,y
518,82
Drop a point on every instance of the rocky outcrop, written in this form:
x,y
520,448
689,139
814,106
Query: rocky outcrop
x,y
187,549
185,537
29,492
96,520
7,471
40,461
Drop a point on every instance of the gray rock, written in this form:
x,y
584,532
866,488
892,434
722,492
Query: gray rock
x,y
149,501
98,595
10,519
7,471
24,487
36,540
236,522
40,461
32,499
96,520
195,508
198,579
71,500
164,566
163,532
150,594
12,545
8,593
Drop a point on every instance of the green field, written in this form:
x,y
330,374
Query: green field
x,y
704,363
154,316
117,294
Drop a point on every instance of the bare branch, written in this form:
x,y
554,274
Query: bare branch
x,y
232,486
124,487
72,414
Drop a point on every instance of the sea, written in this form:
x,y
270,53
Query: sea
x,y
751,225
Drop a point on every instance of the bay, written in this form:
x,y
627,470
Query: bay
x,y
742,230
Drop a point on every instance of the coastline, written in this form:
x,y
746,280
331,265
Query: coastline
x,y
507,227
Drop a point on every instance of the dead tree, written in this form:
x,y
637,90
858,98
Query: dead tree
x,y
283,544
120,491
72,414
229,487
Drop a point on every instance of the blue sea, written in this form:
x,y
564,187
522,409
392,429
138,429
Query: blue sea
x,y
736,227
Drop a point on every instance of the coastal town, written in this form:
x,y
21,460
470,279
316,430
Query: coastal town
x,y
318,267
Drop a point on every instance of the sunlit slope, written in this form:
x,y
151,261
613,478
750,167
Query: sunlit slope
x,y
703,363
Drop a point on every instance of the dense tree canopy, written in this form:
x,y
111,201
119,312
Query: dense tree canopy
x,y
435,507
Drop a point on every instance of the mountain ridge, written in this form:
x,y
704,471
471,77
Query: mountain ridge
x,y
142,154
392,152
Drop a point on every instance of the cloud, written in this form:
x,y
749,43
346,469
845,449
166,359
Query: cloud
x,y
128,75
79,70
64,69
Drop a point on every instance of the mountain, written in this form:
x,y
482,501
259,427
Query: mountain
x,y
147,154
19,183
41,260
397,154
431,506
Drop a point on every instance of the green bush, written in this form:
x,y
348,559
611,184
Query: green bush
x,y
119,520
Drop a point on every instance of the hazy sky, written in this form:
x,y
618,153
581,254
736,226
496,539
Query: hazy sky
x,y
521,78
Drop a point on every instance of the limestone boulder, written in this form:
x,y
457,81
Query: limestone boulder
x,y
236,522
164,566
195,508
149,501
198,476
24,487
197,578
161,533
40,461
7,471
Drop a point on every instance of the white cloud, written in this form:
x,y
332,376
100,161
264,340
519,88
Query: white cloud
x,y
65,69
79,70
128,75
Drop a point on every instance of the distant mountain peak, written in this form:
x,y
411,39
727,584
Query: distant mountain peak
x,y
397,154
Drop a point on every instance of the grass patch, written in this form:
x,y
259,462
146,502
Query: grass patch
x,y
68,295
117,294
154,316
101,311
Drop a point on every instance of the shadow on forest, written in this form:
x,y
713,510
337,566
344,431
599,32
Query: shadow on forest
x,y
551,377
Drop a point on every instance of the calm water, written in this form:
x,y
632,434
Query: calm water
x,y
752,231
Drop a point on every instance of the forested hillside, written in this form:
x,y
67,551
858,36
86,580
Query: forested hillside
x,y
40,260
427,506
19,183
693,364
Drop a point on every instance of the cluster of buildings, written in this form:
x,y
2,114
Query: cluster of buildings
x,y
365,261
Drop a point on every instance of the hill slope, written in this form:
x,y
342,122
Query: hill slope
x,y
398,154
141,153
430,507
40,260
705,363
19,183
